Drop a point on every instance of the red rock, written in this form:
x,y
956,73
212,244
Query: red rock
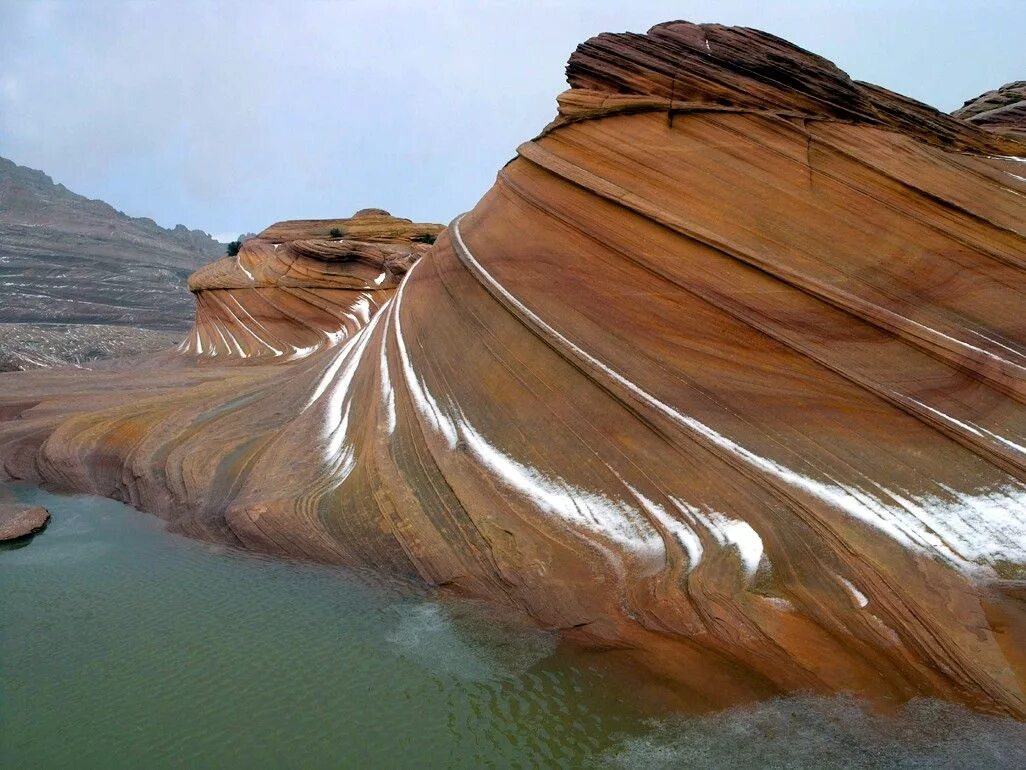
x,y
684,67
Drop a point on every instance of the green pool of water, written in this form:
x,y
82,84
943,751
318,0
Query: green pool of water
x,y
122,646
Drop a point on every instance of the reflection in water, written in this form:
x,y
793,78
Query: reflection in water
x,y
123,646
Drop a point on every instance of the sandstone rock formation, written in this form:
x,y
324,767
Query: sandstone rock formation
x,y
18,521
1002,111
296,287
726,372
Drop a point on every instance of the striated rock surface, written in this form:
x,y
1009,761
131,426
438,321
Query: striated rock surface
x,y
302,285
1002,111
681,67
18,521
65,258
80,281
727,372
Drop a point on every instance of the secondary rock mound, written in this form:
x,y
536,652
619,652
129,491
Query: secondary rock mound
x,y
1001,111
301,285
726,372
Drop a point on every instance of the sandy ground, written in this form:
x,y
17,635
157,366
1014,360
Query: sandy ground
x,y
32,346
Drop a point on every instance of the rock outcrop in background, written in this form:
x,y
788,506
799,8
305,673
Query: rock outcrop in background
x,y
1001,111
727,372
302,285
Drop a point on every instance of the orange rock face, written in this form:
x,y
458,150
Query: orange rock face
x,y
727,371
301,285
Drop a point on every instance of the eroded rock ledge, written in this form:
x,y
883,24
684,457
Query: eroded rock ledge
x,y
727,372
679,67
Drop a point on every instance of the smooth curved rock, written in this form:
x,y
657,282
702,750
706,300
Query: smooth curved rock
x,y
727,371
18,521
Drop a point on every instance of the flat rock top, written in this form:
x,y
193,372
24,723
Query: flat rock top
x,y
21,520
368,225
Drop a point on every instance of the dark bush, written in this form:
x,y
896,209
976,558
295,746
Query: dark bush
x,y
233,248
335,233
423,238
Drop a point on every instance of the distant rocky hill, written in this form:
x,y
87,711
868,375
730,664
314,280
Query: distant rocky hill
x,y
1002,111
65,258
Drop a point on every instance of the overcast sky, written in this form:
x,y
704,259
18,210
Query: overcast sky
x,y
230,116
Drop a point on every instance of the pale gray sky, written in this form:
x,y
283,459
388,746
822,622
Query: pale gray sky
x,y
228,116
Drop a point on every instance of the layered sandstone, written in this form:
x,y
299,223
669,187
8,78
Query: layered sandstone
x,y
726,372
301,285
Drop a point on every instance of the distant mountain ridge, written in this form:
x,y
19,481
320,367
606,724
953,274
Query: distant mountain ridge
x,y
31,198
70,259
